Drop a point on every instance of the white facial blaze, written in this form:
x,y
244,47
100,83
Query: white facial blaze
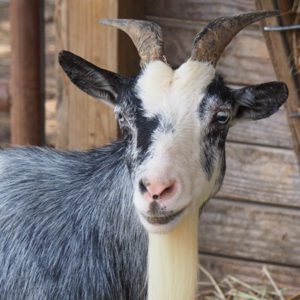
x,y
161,88
174,96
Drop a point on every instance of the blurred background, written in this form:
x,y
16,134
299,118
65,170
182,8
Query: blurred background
x,y
50,77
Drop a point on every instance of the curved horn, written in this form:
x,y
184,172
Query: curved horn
x,y
211,41
146,36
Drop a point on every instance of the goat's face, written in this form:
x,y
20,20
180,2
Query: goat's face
x,y
175,124
177,137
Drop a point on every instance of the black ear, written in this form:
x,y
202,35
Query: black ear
x,y
259,101
96,82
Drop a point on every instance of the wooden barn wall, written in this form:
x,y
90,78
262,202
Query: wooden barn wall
x,y
255,219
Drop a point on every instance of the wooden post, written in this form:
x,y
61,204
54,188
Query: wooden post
x,y
285,67
27,72
4,96
82,121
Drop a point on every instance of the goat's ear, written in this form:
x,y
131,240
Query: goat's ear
x,y
96,82
259,101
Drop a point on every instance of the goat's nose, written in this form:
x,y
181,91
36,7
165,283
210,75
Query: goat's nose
x,y
157,189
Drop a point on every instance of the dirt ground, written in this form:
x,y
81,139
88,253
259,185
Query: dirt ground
x,y
50,61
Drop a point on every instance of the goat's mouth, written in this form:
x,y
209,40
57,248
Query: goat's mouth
x,y
162,219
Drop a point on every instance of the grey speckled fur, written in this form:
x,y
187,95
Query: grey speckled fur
x,y
68,226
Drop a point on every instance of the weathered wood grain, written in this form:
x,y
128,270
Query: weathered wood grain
x,y
83,122
251,231
273,131
251,272
261,174
204,10
244,61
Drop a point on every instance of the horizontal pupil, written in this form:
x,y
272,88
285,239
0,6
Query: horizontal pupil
x,y
222,119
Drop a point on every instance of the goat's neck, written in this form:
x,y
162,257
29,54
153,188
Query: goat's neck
x,y
173,262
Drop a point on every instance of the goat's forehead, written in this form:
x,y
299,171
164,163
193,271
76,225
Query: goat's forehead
x,y
160,86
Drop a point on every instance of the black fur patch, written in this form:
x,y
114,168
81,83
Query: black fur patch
x,y
218,95
132,108
145,129
260,101
96,82
220,92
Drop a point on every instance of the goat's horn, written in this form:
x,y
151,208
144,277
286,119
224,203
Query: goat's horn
x,y
146,36
211,41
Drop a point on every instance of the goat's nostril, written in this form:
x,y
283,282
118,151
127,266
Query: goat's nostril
x,y
156,189
155,197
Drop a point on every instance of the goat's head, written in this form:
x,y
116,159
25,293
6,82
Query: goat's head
x,y
175,121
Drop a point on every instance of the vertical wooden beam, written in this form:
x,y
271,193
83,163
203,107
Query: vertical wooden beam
x,y
280,51
84,122
27,72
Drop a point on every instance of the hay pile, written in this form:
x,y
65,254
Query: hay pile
x,y
232,288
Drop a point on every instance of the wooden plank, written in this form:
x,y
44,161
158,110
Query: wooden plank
x,y
286,278
261,174
83,122
89,122
285,67
197,9
244,61
296,41
254,232
273,131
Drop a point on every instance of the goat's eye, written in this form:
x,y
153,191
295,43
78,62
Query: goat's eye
x,y
223,117
120,116
122,120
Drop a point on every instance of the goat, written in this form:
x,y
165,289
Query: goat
x,y
85,225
